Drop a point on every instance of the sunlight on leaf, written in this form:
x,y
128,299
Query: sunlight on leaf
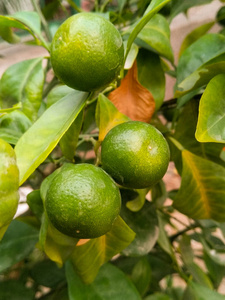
x,y
41,138
202,193
132,99
211,120
107,116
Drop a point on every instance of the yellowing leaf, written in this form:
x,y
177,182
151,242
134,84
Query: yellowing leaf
x,y
56,245
107,116
89,257
132,99
202,191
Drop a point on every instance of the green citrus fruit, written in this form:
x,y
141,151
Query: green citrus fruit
x,y
87,52
135,154
82,201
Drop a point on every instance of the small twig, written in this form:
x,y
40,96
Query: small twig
x,y
190,227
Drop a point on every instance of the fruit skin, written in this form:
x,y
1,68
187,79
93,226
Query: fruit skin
x,y
87,52
82,201
135,154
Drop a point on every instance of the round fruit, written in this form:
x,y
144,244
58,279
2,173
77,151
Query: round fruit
x,y
87,52
135,154
82,201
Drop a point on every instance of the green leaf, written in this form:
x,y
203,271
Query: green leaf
x,y
185,134
163,239
158,296
159,194
137,203
23,82
110,283
156,36
202,75
57,93
151,75
195,35
188,257
15,290
200,52
107,116
145,224
42,137
141,275
68,142
35,203
26,20
201,195
211,121
89,257
201,292
18,241
47,273
13,125
9,185
56,245
152,9
131,56
179,6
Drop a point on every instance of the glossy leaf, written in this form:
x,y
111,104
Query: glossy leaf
x,y
145,224
211,121
131,95
201,195
151,75
23,82
89,257
18,241
200,52
201,76
68,142
195,35
107,116
156,35
141,275
110,283
9,185
42,137
152,9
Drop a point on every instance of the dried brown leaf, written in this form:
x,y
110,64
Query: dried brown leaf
x,y
132,99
